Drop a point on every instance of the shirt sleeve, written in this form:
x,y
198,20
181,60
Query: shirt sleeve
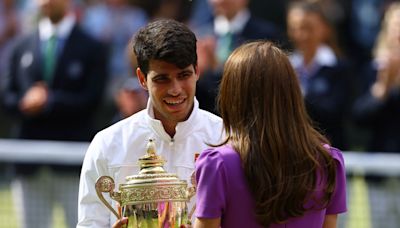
x,y
211,185
91,211
338,200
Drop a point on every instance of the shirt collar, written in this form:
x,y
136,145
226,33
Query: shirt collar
x,y
323,57
61,29
181,127
222,25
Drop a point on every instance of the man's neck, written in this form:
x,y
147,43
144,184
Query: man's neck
x,y
170,128
55,20
169,124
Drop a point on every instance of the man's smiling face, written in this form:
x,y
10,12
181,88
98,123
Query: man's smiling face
x,y
171,90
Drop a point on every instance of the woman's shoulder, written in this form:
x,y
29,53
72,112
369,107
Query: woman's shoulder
x,y
223,151
335,153
221,154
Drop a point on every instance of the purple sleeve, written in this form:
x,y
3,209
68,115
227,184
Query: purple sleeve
x,y
211,185
338,201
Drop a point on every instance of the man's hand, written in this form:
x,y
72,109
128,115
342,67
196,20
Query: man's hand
x,y
120,222
34,99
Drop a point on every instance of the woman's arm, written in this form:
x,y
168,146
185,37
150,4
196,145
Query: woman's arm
x,y
330,221
207,223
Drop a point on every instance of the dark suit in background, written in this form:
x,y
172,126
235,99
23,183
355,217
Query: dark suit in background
x,y
254,29
328,99
73,91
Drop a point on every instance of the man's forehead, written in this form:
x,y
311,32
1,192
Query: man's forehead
x,y
164,66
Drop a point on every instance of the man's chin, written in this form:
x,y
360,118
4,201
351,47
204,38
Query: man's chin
x,y
179,116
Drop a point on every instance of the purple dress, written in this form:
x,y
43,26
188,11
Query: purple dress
x,y
222,191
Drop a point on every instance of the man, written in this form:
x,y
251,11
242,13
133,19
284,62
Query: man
x,y
53,83
232,25
167,69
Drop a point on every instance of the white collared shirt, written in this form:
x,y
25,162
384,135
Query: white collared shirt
x,y
324,56
115,151
61,29
222,25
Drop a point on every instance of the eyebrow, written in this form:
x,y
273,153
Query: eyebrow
x,y
183,71
186,71
159,76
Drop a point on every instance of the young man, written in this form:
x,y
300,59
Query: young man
x,y
167,68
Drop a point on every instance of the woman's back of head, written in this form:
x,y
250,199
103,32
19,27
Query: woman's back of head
x,y
265,120
260,89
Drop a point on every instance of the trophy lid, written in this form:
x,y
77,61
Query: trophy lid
x,y
153,183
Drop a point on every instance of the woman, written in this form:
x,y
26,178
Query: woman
x,y
323,73
377,110
378,106
274,169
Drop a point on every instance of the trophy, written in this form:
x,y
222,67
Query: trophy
x,y
153,198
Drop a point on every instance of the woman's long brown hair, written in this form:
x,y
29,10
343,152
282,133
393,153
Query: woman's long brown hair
x,y
265,121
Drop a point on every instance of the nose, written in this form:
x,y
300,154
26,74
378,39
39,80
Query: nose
x,y
175,88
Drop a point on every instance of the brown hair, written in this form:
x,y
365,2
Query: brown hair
x,y
315,7
265,121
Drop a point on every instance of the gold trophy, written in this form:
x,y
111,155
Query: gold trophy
x,y
153,198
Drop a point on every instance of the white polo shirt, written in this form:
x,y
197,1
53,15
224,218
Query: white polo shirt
x,y
115,152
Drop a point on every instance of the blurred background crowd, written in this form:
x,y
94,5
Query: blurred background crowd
x,y
346,54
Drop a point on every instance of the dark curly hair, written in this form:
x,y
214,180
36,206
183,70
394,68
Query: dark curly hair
x,y
165,40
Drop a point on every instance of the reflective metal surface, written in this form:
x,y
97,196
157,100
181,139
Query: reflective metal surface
x,y
153,198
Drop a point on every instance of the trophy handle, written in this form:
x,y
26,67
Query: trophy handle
x,y
106,184
190,192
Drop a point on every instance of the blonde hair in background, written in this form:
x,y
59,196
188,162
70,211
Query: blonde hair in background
x,y
382,44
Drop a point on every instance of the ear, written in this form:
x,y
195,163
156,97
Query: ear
x,y
142,78
197,72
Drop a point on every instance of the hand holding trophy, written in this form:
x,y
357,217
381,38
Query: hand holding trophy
x,y
153,198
